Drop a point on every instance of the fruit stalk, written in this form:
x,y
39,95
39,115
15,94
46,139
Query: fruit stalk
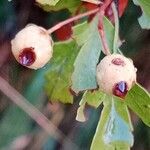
x,y
102,9
115,12
59,25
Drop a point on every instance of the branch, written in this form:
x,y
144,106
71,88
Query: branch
x,y
105,50
32,111
59,25
115,12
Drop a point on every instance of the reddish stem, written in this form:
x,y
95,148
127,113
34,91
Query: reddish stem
x,y
105,50
101,11
59,25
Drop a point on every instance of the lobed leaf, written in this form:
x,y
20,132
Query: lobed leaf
x,y
71,5
84,75
58,78
81,32
144,20
113,131
94,99
48,2
138,99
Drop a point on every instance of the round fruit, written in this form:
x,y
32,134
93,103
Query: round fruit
x,y
32,46
116,75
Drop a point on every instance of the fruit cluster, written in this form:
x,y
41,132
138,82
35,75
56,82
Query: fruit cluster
x,y
33,48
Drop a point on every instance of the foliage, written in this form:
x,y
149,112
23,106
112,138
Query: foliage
x,y
59,4
72,71
144,20
138,99
114,130
83,77
58,78
109,134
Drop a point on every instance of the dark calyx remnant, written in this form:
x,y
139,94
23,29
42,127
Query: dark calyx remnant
x,y
27,56
118,62
120,89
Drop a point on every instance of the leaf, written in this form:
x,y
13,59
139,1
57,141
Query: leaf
x,y
94,99
59,75
48,2
138,99
81,31
71,5
144,20
80,113
122,110
113,131
109,32
84,75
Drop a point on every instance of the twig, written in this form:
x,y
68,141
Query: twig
x,y
115,12
33,112
59,25
102,9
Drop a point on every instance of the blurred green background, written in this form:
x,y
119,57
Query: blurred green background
x,y
17,130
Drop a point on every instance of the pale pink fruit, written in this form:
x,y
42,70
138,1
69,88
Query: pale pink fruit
x,y
116,75
32,46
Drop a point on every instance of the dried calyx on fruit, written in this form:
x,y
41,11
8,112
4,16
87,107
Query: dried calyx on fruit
x,y
116,75
32,46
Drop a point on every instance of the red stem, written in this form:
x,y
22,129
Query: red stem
x,y
59,25
101,11
105,50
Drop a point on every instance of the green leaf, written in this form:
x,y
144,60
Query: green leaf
x,y
58,78
71,5
48,2
80,113
94,99
138,99
81,31
113,131
109,32
87,35
84,75
144,20
122,110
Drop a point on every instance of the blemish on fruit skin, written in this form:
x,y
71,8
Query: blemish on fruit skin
x,y
27,56
118,62
120,89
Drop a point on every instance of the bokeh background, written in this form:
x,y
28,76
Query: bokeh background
x,y
17,130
